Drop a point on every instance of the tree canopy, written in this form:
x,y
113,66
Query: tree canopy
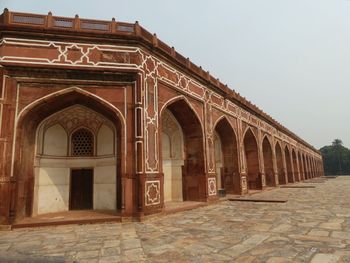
x,y
336,158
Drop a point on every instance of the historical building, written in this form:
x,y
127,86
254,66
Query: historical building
x,y
104,115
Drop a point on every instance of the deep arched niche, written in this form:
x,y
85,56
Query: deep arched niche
x,y
252,161
228,175
268,163
288,165
193,170
301,168
26,137
295,166
279,161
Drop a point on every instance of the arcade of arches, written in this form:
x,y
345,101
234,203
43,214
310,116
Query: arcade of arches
x,y
122,124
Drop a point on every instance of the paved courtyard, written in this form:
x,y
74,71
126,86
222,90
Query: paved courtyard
x,y
313,226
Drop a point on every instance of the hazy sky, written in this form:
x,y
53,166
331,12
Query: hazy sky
x,y
290,57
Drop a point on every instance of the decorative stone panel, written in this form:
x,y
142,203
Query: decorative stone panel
x,y
152,193
244,183
212,186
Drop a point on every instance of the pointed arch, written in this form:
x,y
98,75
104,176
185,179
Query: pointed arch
x,y
252,160
172,143
301,167
306,168
187,102
226,120
27,123
193,170
250,130
280,165
268,139
228,174
268,162
295,166
71,90
288,164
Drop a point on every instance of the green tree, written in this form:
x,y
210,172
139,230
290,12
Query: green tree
x,y
336,158
338,145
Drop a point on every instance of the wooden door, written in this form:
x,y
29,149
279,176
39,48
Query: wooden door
x,y
81,189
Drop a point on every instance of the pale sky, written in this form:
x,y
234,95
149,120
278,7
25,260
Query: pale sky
x,y
289,57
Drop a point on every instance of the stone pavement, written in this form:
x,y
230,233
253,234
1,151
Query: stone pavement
x,y
313,226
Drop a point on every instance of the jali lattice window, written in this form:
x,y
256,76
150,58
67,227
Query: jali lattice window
x,y
82,143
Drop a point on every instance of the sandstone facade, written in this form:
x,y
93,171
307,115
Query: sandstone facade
x,y
104,115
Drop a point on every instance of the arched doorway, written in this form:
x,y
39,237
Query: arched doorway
x,y
192,170
173,157
295,166
279,161
70,137
252,161
268,163
301,167
226,157
288,165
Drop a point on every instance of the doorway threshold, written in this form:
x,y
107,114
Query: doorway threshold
x,y
77,217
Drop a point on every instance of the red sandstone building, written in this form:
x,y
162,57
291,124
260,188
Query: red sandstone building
x,y
103,115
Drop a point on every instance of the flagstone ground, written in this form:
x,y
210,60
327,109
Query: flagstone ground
x,y
313,226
